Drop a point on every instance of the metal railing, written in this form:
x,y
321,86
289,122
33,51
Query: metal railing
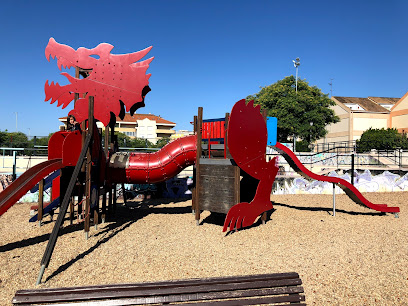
x,y
346,158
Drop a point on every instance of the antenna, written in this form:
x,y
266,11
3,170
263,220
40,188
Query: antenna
x,y
331,87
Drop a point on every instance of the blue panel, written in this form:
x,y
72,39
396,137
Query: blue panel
x,y
272,125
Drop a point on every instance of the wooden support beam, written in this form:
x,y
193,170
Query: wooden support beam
x,y
198,156
40,201
88,180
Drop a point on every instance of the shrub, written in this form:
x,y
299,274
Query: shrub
x,y
381,139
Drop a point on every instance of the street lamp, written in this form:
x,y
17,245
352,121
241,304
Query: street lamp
x,y
16,121
296,63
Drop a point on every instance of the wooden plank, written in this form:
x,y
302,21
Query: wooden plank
x,y
219,187
170,292
172,283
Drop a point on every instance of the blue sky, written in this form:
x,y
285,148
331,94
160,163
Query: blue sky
x,y
207,53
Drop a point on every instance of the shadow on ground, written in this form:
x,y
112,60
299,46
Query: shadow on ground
x,y
330,210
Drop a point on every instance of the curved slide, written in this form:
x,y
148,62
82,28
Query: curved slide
x,y
347,187
26,181
140,168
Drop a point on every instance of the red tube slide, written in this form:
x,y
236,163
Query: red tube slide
x,y
136,168
347,187
10,195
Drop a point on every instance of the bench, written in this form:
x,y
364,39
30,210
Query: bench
x,y
270,289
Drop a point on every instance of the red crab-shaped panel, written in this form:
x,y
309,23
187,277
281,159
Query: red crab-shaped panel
x,y
112,79
247,139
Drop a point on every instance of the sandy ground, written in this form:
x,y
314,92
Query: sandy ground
x,y
358,257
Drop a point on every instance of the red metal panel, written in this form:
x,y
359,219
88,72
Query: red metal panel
x,y
71,148
56,188
55,144
247,138
112,78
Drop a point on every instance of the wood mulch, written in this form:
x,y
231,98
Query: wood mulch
x,y
358,257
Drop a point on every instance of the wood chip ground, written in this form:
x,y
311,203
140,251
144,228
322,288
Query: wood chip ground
x,y
358,257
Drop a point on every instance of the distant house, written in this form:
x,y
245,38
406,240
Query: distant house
x,y
359,114
181,133
145,126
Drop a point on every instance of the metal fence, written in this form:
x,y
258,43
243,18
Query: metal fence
x,y
346,158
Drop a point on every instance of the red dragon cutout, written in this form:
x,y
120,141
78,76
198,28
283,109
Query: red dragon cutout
x,y
113,79
247,140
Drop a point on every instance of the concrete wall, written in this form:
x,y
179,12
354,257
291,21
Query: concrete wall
x,y
362,122
400,122
23,163
399,115
147,129
339,131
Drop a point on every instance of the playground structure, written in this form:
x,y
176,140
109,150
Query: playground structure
x,y
222,150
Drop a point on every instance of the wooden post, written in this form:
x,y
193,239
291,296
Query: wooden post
x,y
106,144
226,150
71,210
80,197
114,199
103,215
265,116
198,156
110,203
88,183
40,201
194,199
96,210
124,194
105,187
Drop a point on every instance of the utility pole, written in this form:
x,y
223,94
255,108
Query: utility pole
x,y
296,63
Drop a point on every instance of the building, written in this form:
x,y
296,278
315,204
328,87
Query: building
x,y
359,114
181,133
145,126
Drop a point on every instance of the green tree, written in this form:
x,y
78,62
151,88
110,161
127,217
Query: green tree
x,y
17,140
304,114
42,141
381,139
162,142
128,142
141,143
3,138
123,139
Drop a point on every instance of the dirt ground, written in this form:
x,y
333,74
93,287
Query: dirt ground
x,y
358,257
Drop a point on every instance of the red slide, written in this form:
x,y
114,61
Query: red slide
x,y
143,168
10,195
347,187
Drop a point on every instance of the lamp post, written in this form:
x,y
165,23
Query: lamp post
x,y
310,136
296,63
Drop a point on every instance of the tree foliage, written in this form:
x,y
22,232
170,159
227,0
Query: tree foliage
x,y
304,114
381,139
128,142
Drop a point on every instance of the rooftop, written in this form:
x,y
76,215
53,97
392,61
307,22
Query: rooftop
x,y
135,117
369,104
